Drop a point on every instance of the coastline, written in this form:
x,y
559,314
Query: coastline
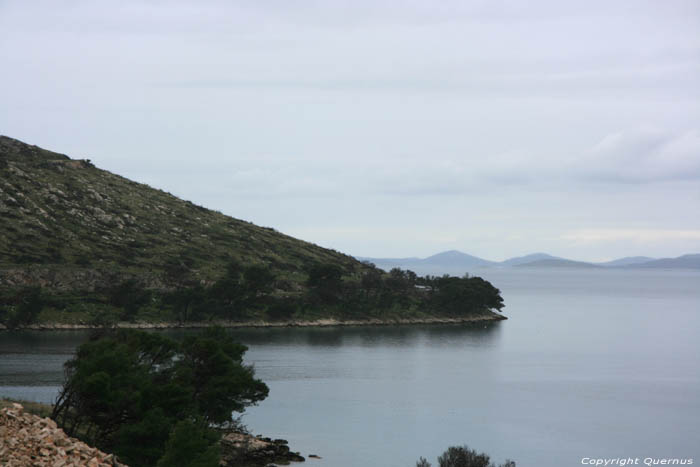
x,y
329,322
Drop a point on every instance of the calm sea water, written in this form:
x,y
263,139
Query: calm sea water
x,y
600,364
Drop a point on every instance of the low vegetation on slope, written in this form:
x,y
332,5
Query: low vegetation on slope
x,y
85,224
82,245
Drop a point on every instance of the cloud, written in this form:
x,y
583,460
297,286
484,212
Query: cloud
x,y
644,155
628,157
501,116
588,236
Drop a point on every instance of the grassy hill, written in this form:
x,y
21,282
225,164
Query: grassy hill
x,y
82,245
78,225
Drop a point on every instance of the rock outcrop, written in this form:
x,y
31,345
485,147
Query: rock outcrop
x,y
243,450
29,440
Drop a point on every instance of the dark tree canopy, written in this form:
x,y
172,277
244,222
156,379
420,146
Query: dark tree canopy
x,y
252,292
125,391
22,307
462,456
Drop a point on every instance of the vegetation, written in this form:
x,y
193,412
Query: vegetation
x,y
73,225
34,408
79,245
152,400
21,307
462,456
248,293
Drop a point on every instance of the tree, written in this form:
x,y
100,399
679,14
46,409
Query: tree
x,y
183,300
212,365
190,445
325,280
24,307
129,295
126,391
240,288
371,281
258,281
460,296
462,456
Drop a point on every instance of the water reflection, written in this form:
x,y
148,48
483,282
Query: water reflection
x,y
372,336
35,358
41,342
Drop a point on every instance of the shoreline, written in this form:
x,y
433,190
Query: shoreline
x,y
328,322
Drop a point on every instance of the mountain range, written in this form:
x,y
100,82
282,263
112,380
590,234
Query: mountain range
x,y
454,261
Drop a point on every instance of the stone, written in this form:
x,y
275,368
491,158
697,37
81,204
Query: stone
x,y
27,439
241,449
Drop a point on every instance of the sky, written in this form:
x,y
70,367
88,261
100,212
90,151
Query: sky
x,y
382,128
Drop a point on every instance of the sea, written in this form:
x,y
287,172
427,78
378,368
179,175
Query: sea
x,y
592,364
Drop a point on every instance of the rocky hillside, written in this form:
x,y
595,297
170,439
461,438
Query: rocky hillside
x,y
65,224
27,439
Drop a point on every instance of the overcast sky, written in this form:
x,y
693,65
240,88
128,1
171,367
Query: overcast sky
x,y
382,128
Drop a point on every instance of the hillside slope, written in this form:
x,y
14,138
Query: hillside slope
x,y
66,224
690,261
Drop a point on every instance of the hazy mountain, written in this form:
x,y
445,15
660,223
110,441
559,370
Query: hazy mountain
x,y
456,258
528,259
557,263
65,223
457,263
448,262
397,262
627,261
691,261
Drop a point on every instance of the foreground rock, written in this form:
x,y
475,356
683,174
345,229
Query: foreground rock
x,y
26,439
242,450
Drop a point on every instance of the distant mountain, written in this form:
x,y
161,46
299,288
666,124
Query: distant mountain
x,y
456,258
691,261
528,259
627,261
457,263
395,261
448,262
557,263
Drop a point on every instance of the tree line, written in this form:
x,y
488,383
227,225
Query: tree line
x,y
253,292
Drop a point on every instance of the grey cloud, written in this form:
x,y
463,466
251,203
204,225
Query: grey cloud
x,y
523,118
644,155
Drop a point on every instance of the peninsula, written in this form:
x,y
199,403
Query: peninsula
x,y
83,247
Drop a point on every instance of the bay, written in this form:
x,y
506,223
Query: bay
x,y
590,363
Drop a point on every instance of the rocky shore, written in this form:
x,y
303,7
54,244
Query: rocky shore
x,y
27,439
490,316
243,450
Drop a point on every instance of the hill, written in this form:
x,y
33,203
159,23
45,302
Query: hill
x,y
557,263
447,262
627,261
528,259
80,226
456,258
456,262
691,261
82,246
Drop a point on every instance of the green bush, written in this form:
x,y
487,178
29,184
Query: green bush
x,y
128,392
462,456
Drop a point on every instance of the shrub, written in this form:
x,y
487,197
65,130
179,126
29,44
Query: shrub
x,y
462,456
141,395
